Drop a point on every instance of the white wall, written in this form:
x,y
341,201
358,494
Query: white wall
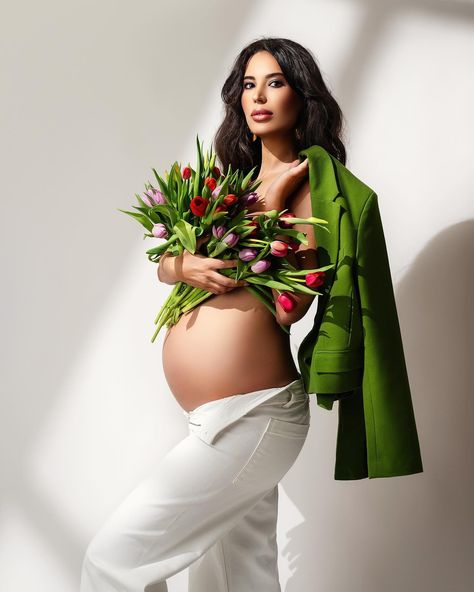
x,y
90,97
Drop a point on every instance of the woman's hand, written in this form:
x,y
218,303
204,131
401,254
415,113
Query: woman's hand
x,y
285,185
202,272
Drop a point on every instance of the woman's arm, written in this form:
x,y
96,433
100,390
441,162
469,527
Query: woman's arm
x,y
306,258
169,268
198,271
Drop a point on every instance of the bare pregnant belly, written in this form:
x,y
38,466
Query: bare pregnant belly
x,y
229,344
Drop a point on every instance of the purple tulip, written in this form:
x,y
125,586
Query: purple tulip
x,y
218,231
260,266
247,254
153,197
250,198
159,231
231,239
215,193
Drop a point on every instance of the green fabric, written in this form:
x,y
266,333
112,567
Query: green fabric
x,y
354,352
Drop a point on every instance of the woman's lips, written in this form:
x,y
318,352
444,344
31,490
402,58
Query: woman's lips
x,y
262,116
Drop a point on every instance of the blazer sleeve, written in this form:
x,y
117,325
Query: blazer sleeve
x,y
392,439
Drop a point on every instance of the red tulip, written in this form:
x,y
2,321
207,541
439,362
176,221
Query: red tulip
x,y
282,222
186,173
292,243
286,301
216,171
253,223
316,279
211,183
230,199
198,205
220,208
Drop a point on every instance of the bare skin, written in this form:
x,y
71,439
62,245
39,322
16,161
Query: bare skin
x,y
231,343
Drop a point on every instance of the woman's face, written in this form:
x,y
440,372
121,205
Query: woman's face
x,y
264,87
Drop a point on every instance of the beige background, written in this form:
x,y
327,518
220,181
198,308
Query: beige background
x,y
94,94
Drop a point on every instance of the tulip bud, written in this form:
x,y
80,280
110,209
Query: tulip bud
x,y
249,198
260,266
198,205
186,174
153,197
255,230
211,183
159,231
286,301
231,239
282,222
278,248
316,279
230,199
293,244
218,231
247,254
215,193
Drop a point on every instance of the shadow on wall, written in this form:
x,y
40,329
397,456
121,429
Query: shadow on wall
x,y
415,525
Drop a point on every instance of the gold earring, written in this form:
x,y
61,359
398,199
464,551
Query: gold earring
x,y
254,137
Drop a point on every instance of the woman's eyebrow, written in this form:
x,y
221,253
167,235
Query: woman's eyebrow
x,y
267,76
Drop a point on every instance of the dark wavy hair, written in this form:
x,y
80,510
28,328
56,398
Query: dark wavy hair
x,y
321,119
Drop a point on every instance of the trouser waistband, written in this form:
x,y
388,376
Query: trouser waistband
x,y
220,413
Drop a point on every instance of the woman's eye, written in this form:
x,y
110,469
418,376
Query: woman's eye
x,y
277,81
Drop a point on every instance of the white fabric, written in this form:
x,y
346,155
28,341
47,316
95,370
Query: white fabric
x,y
210,504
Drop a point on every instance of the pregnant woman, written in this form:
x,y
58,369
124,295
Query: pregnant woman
x,y
211,503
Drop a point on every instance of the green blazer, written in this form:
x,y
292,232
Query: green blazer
x,y
354,352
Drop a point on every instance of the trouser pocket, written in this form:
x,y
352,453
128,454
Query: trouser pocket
x,y
274,454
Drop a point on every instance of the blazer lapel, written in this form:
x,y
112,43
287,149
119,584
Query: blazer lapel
x,y
324,191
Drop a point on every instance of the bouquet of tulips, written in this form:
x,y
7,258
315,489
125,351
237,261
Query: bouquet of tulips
x,y
202,203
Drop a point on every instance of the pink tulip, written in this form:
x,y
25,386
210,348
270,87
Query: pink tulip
x,y
316,279
286,301
260,266
153,197
159,231
231,239
279,248
247,254
215,193
218,231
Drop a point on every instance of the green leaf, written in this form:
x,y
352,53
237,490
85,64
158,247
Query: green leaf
x,y
167,211
141,202
186,234
246,179
298,287
197,176
140,218
306,271
162,184
219,248
269,283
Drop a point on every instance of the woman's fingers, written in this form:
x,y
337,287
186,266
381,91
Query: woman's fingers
x,y
228,282
222,279
300,168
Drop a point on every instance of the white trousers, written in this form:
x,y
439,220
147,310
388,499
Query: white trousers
x,y
210,504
